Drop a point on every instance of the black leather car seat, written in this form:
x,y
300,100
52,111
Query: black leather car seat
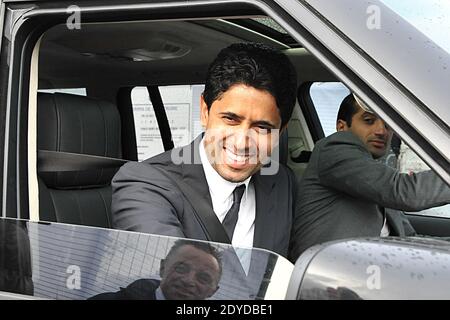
x,y
81,125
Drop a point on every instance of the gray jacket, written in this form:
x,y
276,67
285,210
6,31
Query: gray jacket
x,y
145,200
344,191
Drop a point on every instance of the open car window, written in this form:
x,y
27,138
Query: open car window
x,y
327,97
61,261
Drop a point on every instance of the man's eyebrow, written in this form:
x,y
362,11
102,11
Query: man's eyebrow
x,y
231,115
369,114
264,123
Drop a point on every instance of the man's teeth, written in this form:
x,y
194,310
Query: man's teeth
x,y
235,157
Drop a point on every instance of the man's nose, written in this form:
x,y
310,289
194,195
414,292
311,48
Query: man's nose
x,y
381,128
189,279
241,139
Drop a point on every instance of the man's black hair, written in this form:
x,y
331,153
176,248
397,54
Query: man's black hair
x,y
255,65
347,110
203,246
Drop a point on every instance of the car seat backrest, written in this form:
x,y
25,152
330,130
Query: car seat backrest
x,y
81,125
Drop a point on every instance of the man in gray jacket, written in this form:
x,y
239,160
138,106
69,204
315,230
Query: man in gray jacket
x,y
346,193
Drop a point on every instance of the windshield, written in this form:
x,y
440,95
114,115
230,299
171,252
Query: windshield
x,y
59,261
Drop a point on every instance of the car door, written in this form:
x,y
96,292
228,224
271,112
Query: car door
x,y
70,262
361,55
349,48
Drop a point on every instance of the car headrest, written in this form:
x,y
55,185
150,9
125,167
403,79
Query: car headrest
x,y
77,124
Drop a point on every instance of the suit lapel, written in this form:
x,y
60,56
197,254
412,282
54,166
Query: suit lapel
x,y
194,183
193,173
265,203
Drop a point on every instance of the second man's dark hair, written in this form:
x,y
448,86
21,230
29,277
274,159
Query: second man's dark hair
x,y
347,109
255,65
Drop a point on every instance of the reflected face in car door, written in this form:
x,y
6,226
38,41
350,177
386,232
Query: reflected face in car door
x,y
190,274
242,127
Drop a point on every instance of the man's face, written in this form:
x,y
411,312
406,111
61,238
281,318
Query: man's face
x,y
241,131
371,130
189,274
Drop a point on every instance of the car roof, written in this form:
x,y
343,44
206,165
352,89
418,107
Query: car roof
x,y
152,52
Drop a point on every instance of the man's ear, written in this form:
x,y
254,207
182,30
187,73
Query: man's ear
x,y
213,291
204,112
341,125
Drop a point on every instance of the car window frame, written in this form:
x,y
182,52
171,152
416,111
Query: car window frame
x,y
29,27
295,22
309,111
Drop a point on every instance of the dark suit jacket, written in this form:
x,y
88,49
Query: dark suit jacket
x,y
343,190
145,200
142,289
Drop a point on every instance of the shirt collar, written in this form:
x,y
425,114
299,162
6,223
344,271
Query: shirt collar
x,y
159,295
219,188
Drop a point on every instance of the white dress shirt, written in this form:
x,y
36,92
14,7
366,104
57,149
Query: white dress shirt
x,y
221,192
159,295
385,229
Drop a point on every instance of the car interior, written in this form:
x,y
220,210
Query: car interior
x,y
81,140
141,54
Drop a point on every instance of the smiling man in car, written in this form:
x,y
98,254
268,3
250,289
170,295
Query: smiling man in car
x,y
217,188
345,192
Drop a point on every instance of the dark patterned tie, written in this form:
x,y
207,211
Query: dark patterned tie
x,y
229,223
